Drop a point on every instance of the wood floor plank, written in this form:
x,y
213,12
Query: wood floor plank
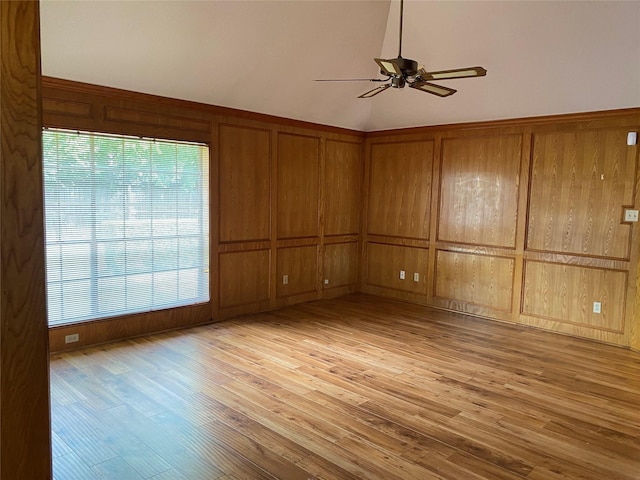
x,y
351,388
116,468
71,467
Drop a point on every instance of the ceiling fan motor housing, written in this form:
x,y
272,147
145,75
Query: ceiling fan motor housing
x,y
408,67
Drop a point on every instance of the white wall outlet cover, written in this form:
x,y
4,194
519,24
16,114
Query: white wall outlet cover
x,y
630,215
401,274
597,307
326,281
285,279
632,138
416,277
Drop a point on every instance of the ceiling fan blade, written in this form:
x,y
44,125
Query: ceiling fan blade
x,y
388,67
434,89
375,91
352,80
455,73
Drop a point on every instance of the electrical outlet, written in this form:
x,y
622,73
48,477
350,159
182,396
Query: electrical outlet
x,y
597,307
326,281
630,215
416,277
285,279
401,274
74,337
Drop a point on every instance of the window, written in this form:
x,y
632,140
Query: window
x,y
126,225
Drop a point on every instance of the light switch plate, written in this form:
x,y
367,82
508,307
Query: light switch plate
x,y
632,138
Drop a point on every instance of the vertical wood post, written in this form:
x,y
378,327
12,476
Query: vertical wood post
x,y
25,438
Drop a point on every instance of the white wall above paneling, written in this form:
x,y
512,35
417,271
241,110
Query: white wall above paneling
x,y
262,56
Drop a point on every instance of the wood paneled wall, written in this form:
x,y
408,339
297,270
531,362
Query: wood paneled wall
x,y
25,435
285,200
527,224
520,221
307,198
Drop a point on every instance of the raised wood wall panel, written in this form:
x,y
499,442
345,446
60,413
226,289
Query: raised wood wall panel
x,y
384,263
244,277
565,294
25,435
580,182
65,107
300,264
244,183
482,280
342,182
129,115
479,185
400,189
340,264
298,185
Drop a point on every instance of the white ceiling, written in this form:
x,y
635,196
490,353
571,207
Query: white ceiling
x,y
542,57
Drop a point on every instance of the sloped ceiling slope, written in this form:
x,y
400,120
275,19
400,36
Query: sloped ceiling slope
x,y
262,56
542,58
259,56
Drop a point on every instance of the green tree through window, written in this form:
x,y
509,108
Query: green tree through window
x,y
126,225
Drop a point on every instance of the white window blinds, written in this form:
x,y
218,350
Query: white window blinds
x,y
127,225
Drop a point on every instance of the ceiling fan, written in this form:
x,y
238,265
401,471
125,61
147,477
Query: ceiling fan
x,y
403,71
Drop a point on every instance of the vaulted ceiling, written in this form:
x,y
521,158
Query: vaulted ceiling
x,y
542,57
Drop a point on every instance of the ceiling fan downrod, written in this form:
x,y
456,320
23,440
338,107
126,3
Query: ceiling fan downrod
x,y
401,18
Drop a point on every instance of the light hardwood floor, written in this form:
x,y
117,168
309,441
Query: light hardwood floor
x,y
352,388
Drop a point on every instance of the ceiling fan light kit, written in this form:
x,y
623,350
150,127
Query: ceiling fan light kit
x,y
403,71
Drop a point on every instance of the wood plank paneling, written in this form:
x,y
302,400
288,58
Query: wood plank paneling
x,y
340,264
400,189
342,182
479,185
298,186
384,263
25,435
300,264
128,326
244,277
565,293
580,182
245,191
483,280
